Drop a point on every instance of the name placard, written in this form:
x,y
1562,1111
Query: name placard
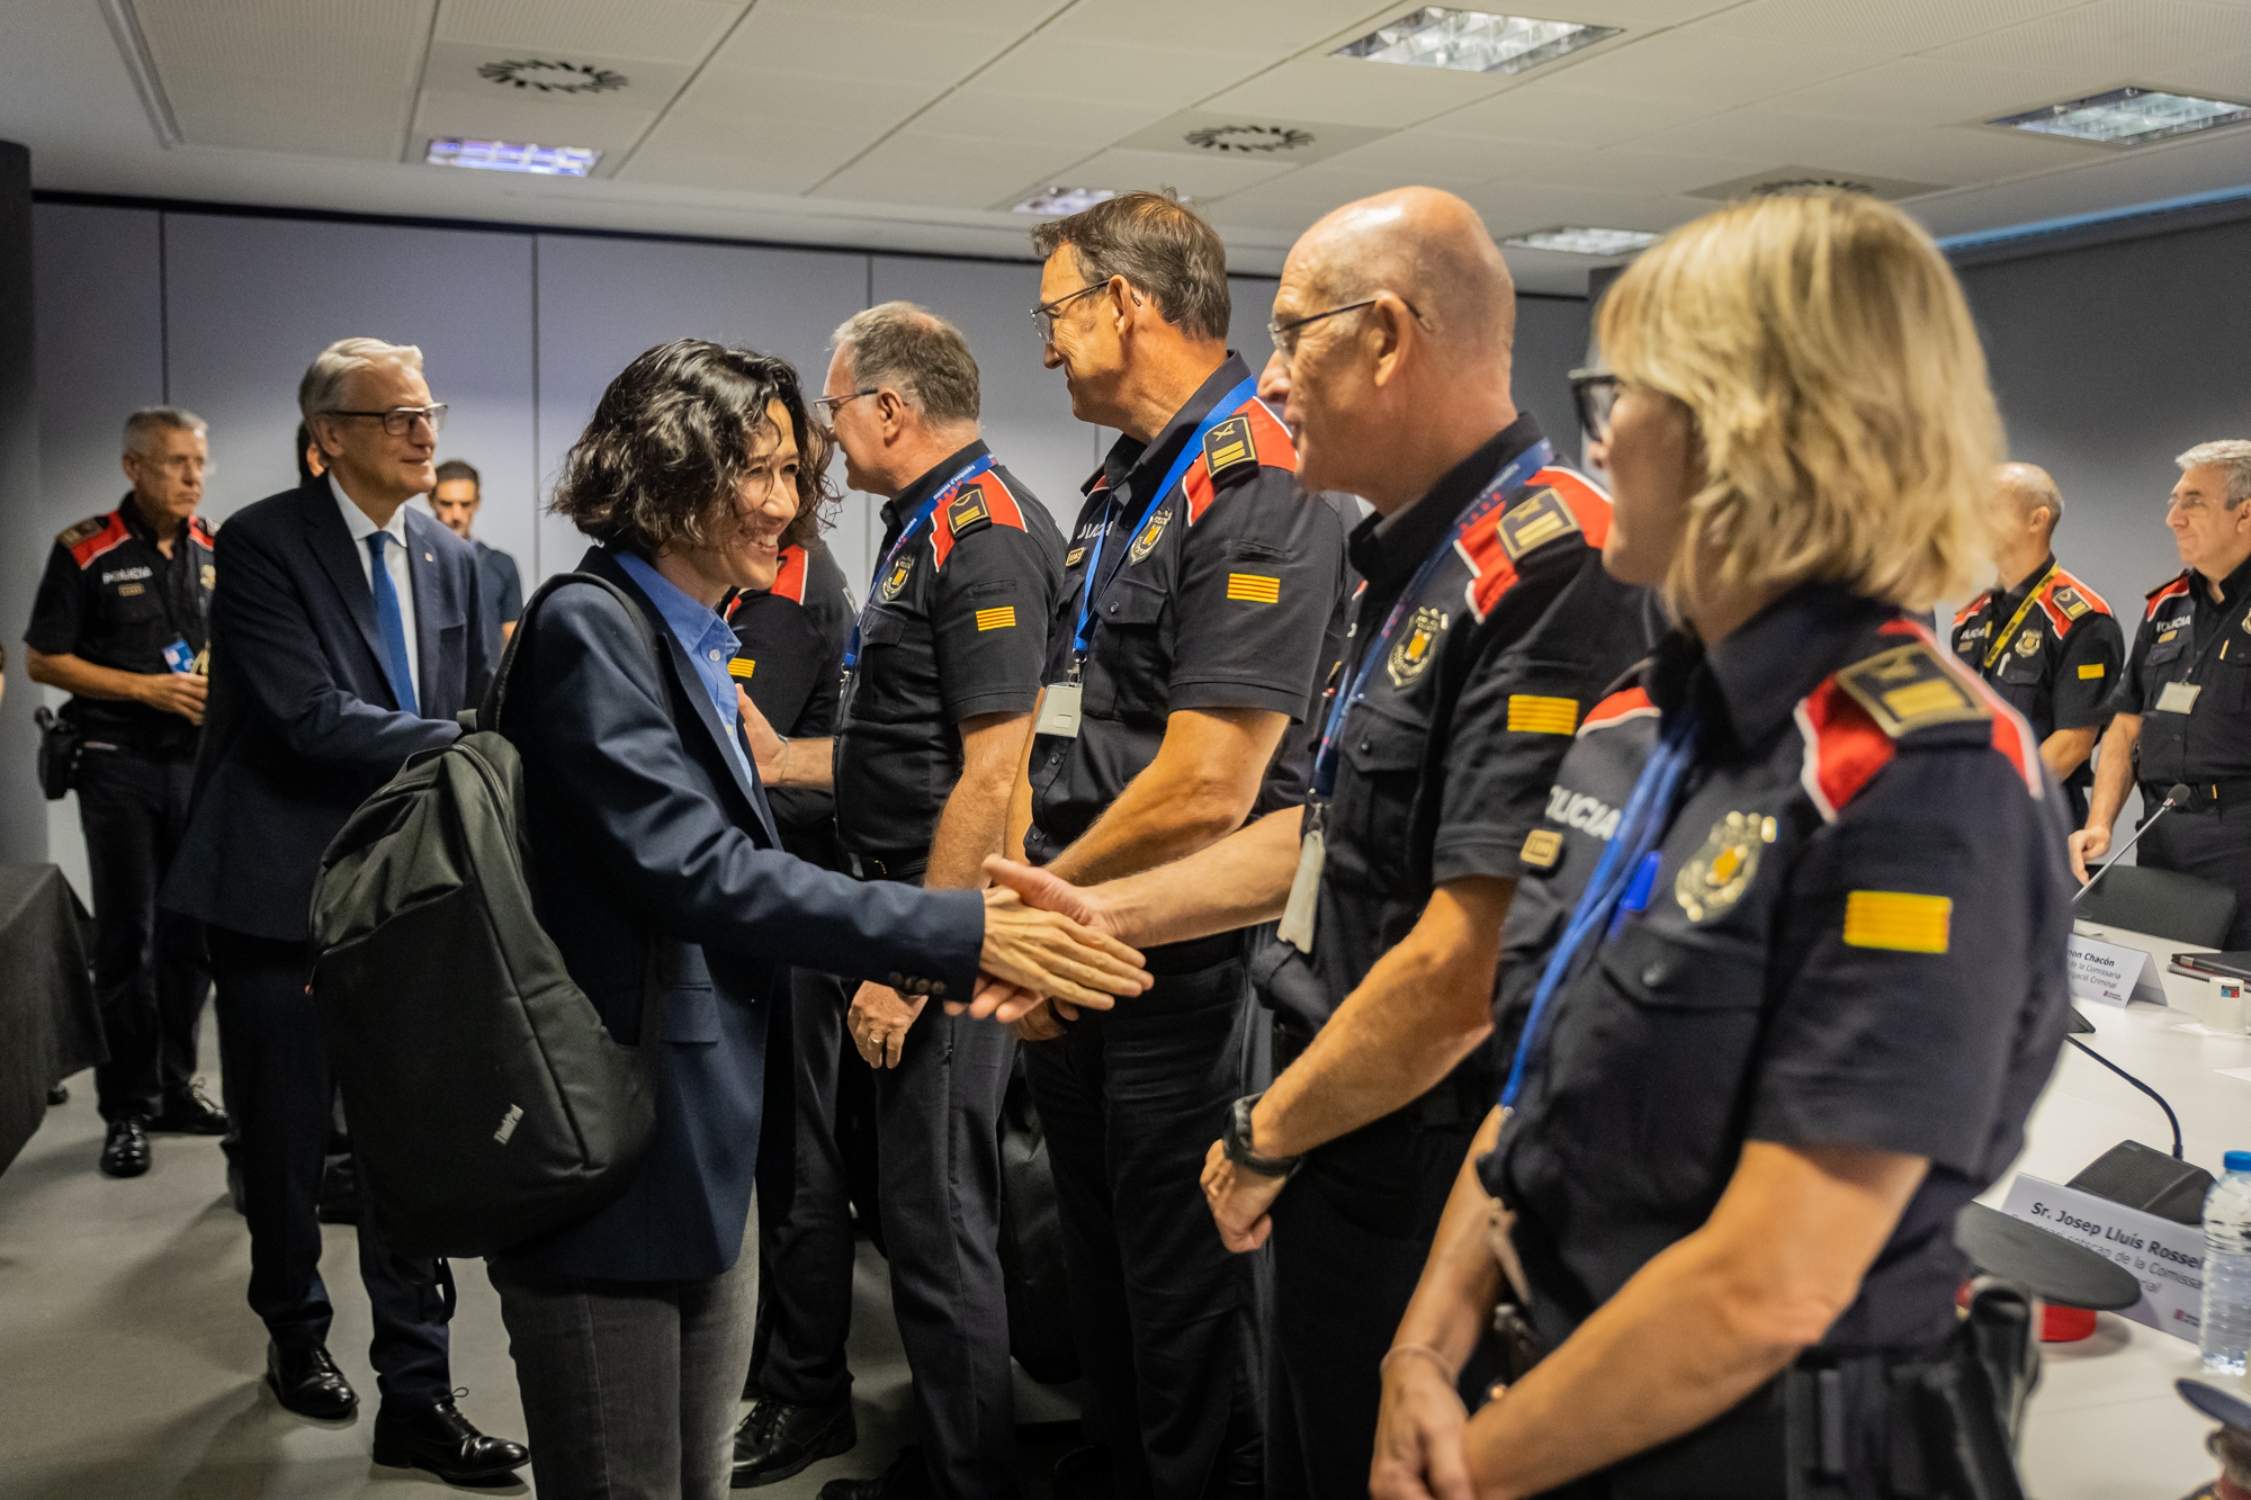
x,y
2111,973
2165,1257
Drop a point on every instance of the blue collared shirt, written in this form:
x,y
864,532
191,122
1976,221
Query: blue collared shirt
x,y
708,640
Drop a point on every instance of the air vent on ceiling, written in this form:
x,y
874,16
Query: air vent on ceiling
x,y
1249,140
1787,179
549,76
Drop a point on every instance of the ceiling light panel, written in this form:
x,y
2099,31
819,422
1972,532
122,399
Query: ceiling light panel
x,y
1473,41
2128,117
1573,239
513,156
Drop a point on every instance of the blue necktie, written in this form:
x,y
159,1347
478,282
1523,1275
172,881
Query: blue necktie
x,y
391,626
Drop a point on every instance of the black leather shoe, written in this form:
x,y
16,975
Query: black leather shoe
x,y
439,1438
191,1114
907,1479
125,1150
309,1384
781,1438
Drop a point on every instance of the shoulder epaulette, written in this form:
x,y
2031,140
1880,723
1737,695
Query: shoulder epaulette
x,y
984,502
1908,691
1253,438
201,534
1558,503
2066,600
92,537
1621,707
1963,615
789,581
2170,589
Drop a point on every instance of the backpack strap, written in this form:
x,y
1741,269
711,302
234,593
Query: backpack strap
x,y
488,714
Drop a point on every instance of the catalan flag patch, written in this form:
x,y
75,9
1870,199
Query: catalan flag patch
x,y
1900,921
741,667
1530,714
1000,617
1254,588
2090,671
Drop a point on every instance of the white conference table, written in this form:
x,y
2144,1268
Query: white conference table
x,y
2106,1421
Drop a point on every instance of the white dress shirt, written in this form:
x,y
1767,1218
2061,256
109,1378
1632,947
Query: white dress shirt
x,y
395,561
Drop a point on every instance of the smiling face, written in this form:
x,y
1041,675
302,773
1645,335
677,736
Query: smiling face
x,y
1654,470
1083,339
374,465
746,546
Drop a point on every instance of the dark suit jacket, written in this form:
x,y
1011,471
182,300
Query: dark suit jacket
x,y
301,724
654,854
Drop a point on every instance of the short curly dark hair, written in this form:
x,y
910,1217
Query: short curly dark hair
x,y
669,442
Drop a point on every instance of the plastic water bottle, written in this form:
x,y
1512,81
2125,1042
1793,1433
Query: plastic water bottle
x,y
2227,1268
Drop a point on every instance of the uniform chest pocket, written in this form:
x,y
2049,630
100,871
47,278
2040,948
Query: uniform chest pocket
x,y
884,627
1385,751
2166,649
2231,674
1656,1062
1130,664
141,611
2019,671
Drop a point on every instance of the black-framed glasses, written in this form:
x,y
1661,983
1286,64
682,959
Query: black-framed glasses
x,y
1595,392
829,406
1285,335
400,420
1043,316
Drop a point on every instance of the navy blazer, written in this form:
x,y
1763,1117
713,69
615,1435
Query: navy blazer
x,y
301,724
655,859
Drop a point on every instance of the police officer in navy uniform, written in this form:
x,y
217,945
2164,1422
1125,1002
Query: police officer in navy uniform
x,y
1487,627
2184,704
941,678
2044,640
791,641
119,623
1785,971
1201,588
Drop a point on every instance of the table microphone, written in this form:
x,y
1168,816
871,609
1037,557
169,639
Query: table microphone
x,y
2174,797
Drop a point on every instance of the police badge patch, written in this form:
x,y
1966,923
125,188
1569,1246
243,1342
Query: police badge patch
x,y
898,579
2028,644
1411,654
1151,534
210,578
1721,870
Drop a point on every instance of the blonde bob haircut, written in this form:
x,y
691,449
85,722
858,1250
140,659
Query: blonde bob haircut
x,y
1825,351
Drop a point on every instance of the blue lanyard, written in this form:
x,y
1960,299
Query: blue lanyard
x,y
1222,409
1497,494
1627,866
922,515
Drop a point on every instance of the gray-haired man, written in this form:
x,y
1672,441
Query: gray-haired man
x,y
119,624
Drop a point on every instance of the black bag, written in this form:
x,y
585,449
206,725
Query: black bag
x,y
487,1100
61,743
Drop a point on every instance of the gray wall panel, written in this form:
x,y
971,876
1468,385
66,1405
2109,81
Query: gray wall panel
x,y
602,301
249,302
1551,341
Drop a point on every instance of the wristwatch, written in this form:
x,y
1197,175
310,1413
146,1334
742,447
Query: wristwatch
x,y
1237,1144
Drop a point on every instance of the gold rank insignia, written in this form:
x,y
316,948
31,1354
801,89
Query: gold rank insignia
x,y
1535,521
2166,635
2090,671
898,579
742,668
71,536
1071,558
210,577
1000,617
1229,445
1411,655
2028,644
1542,848
1900,921
1151,534
1908,688
967,512
2072,603
1722,868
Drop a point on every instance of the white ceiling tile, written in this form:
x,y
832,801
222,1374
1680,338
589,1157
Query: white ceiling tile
x,y
1555,163
1197,176
215,118
1424,155
698,164
1629,169
1358,93
991,15
1957,154
1921,91
1639,15
1551,111
995,114
1162,77
1715,72
873,49
680,31
743,99
1756,134
1948,155
1521,208
957,171
2186,43
1275,30
549,122
1889,26
363,40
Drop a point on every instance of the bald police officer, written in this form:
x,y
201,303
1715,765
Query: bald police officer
x,y
2184,704
2047,642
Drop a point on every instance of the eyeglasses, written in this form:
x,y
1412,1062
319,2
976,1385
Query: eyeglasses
x,y
1285,335
829,406
180,465
400,420
1043,316
1595,392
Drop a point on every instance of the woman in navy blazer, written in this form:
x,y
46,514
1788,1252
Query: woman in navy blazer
x,y
658,870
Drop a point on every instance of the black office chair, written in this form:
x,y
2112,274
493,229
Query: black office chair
x,y
2162,903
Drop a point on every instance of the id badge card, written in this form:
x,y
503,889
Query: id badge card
x,y
1304,902
2178,697
179,657
1059,710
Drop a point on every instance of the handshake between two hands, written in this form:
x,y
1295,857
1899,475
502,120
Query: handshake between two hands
x,y
1051,950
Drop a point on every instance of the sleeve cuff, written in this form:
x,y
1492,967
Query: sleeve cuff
x,y
1219,692
1015,700
1483,853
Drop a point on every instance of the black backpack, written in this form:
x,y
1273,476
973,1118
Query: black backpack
x,y
489,1105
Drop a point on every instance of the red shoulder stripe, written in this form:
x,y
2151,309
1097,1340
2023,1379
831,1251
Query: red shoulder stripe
x,y
1587,501
112,535
1620,707
1196,485
1844,748
1491,573
1963,615
1000,506
201,533
789,583
2158,596
2057,619
1000,501
1269,438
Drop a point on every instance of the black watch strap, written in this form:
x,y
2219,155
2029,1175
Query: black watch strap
x,y
1237,1144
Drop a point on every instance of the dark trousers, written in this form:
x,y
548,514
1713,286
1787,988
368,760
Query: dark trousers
x,y
1169,1325
938,1150
149,970
279,1085
2213,846
1351,1232
804,1200
629,1387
